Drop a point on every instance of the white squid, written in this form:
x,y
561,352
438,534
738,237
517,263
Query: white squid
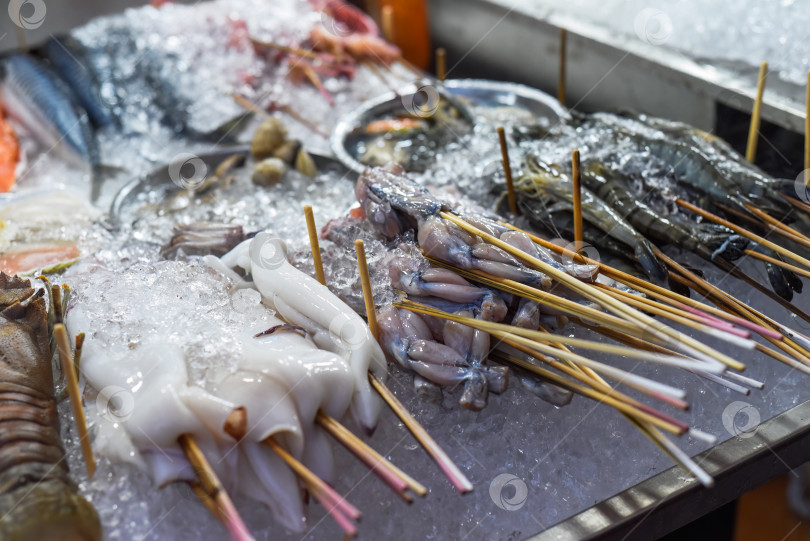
x,y
303,301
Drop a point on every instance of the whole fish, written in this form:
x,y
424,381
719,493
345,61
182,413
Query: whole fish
x,y
38,499
541,181
38,99
68,58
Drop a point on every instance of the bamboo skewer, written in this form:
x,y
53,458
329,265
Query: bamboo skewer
x,y
507,170
587,376
753,131
549,338
314,244
657,438
724,299
398,480
780,227
561,78
653,388
335,504
558,303
371,313
543,297
688,320
577,199
779,263
458,479
72,382
681,341
441,64
211,485
77,354
652,289
744,232
592,393
455,475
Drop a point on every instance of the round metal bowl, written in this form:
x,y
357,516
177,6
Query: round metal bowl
x,y
478,91
160,179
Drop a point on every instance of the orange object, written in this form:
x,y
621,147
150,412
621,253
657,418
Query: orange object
x,y
409,26
9,154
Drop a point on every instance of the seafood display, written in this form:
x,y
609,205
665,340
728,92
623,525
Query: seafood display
x,y
282,373
449,322
39,500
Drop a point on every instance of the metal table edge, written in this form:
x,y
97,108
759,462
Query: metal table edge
x,y
671,499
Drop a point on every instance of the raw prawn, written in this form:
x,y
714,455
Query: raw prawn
x,y
543,182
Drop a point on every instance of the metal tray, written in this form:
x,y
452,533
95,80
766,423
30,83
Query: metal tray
x,y
160,179
479,91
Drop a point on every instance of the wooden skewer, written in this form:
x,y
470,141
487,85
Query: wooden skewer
x,y
441,63
753,132
592,393
212,486
665,295
365,281
658,390
561,79
779,263
585,375
555,340
744,232
507,169
655,435
69,372
577,199
451,470
731,303
679,340
795,202
398,480
314,244
387,18
456,477
807,133
687,320
543,297
337,507
780,227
